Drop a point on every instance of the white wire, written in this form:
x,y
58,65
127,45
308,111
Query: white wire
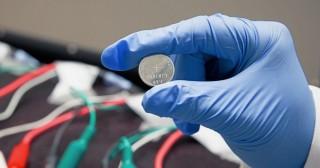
x,y
7,113
56,112
3,163
146,139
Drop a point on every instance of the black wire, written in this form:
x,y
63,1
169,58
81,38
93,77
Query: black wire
x,y
52,156
105,161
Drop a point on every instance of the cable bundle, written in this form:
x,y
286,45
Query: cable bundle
x,y
75,150
20,153
128,145
8,112
25,78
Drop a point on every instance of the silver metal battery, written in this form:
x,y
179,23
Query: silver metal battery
x,y
156,69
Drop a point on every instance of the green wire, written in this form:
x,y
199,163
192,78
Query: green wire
x,y
141,134
108,107
92,110
127,153
75,150
115,150
14,70
52,158
124,145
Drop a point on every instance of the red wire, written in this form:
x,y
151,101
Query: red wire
x,y
55,122
25,78
63,118
20,153
118,102
166,147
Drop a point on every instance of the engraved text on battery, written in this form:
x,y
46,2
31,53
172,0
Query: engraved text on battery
x,y
155,70
158,77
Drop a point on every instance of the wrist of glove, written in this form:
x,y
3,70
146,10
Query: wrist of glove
x,y
238,77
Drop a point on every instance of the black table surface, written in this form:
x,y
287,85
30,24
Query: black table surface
x,y
111,126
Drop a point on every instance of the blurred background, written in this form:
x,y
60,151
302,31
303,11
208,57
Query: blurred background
x,y
98,23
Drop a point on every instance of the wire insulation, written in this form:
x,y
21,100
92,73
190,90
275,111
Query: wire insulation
x,y
28,138
166,147
77,148
20,153
147,139
24,78
52,156
7,113
89,103
136,141
3,163
118,147
56,112
15,70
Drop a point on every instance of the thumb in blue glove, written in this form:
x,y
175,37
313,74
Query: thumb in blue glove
x,y
255,94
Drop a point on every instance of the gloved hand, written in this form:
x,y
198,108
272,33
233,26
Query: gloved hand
x,y
255,94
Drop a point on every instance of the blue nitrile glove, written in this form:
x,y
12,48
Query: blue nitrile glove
x,y
256,95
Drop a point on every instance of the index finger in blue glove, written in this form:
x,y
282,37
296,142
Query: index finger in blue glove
x,y
227,38
177,38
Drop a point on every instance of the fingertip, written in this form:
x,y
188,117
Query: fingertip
x,y
118,57
108,58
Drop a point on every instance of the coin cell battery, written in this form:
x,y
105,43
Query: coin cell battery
x,y
156,69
